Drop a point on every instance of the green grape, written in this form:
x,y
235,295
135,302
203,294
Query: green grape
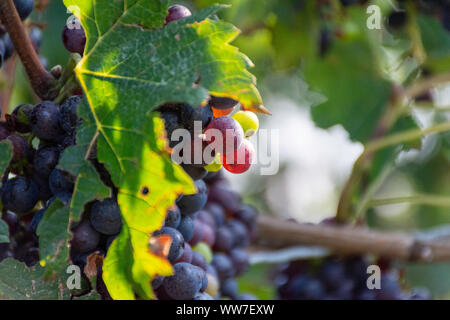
x,y
204,250
248,121
216,165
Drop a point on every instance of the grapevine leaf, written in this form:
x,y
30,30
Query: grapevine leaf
x,y
436,41
88,185
345,67
131,66
53,238
53,230
17,282
4,232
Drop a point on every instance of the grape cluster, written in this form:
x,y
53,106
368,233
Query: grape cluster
x,y
206,232
38,135
218,141
209,232
24,9
340,278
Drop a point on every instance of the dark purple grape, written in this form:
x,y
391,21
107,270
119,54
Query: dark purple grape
x,y
186,228
79,259
221,194
224,240
212,271
198,232
176,248
157,282
357,269
202,296
85,238
20,118
2,52
61,182
177,12
194,171
397,19
198,260
204,283
45,161
69,115
24,7
239,233
9,47
187,254
173,217
308,288
190,204
21,149
345,290
223,265
216,212
209,237
189,116
19,195
4,131
171,122
31,257
110,240
390,288
45,121
36,37
74,39
366,294
37,217
205,217
12,220
240,259
44,189
229,288
186,283
105,216
332,272
101,286
247,214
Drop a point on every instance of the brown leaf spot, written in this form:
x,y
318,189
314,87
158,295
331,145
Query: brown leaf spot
x,y
93,261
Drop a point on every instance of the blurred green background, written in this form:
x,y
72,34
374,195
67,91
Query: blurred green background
x,y
305,55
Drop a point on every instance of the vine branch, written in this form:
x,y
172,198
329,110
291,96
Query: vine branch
x,y
275,233
43,83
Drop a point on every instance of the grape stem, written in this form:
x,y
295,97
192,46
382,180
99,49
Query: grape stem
x,y
275,233
420,199
380,141
406,136
43,83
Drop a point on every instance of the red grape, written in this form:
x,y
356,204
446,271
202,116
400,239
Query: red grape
x,y
230,132
241,160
